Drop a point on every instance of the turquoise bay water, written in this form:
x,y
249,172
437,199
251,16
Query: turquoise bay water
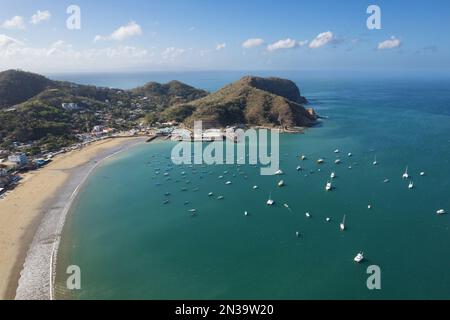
x,y
131,245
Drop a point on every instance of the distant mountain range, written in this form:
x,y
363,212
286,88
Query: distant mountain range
x,y
32,106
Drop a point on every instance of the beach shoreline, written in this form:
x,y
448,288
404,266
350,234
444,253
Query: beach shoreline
x,y
32,218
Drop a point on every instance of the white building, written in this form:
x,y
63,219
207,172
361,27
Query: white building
x,y
70,106
19,159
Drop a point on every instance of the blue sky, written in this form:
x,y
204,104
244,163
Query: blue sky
x,y
210,35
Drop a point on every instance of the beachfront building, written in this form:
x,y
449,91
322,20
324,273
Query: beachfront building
x,y
5,179
181,135
18,159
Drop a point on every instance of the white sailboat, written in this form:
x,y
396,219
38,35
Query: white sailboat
x,y
405,174
342,225
270,202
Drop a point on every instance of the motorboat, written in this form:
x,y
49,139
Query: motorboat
x,y
359,257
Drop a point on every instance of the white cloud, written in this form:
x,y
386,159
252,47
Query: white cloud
x,y
302,43
62,56
282,44
172,53
40,16
250,43
391,43
191,28
6,41
321,40
16,22
132,29
221,46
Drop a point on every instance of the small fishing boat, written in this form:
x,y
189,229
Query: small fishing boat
x,y
342,225
320,161
245,213
281,183
228,183
386,180
336,151
441,211
337,161
328,219
193,210
278,172
210,194
411,185
349,154
220,198
303,157
369,206
422,174
287,206
375,162
329,186
359,257
333,175
255,187
299,168
166,201
308,215
297,234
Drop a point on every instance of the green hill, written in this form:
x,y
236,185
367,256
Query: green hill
x,y
252,101
18,86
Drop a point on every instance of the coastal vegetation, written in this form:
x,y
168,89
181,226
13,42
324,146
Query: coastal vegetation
x,y
46,115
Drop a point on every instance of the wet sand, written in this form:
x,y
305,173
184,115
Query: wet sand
x,y
33,214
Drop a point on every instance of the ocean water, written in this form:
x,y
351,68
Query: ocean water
x,y
130,245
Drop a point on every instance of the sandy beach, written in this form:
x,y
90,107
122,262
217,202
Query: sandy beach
x,y
32,216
